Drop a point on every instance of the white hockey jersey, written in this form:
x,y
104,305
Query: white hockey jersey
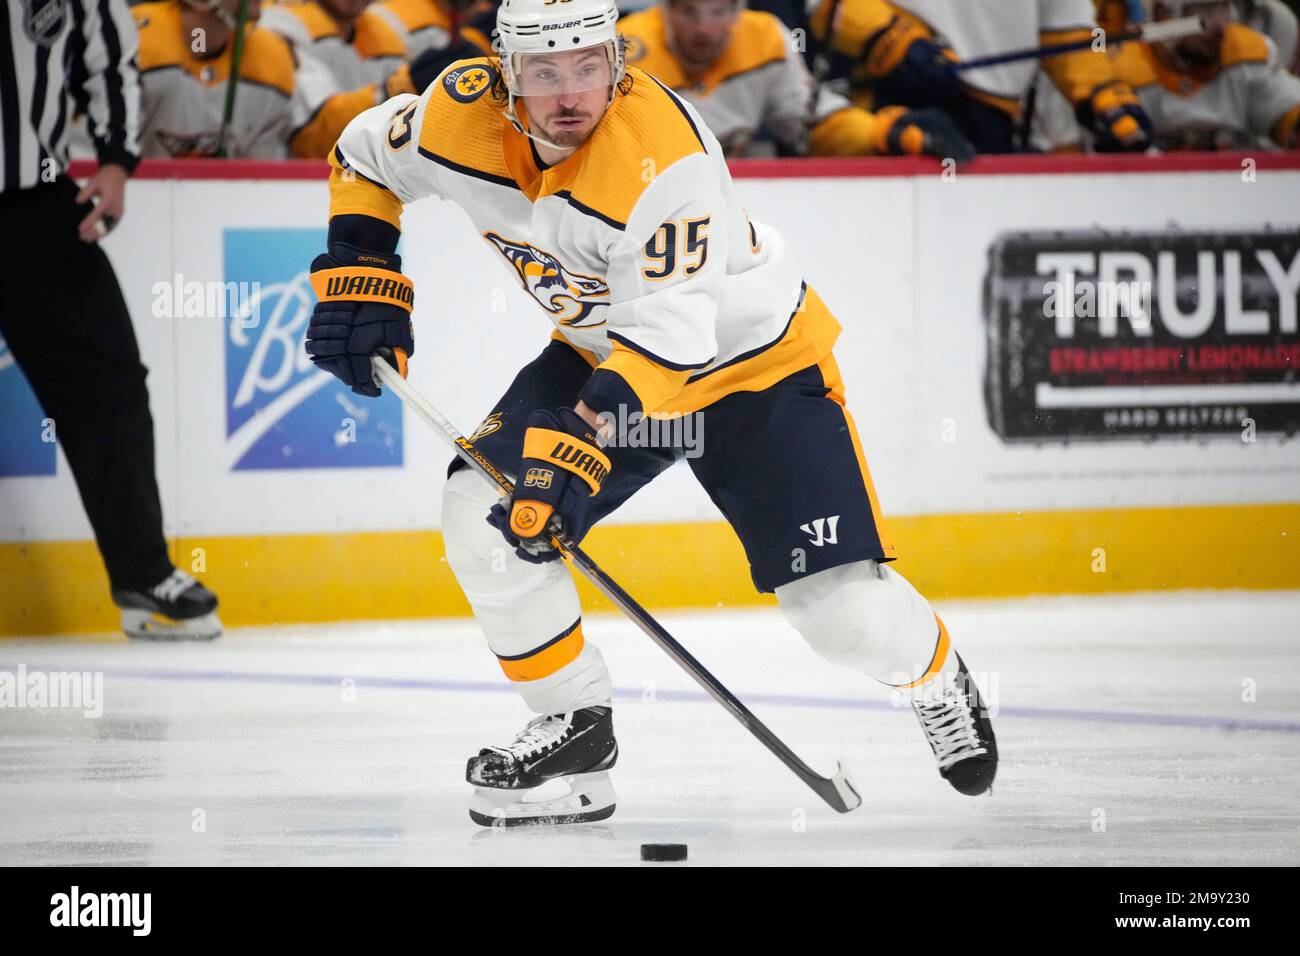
x,y
760,82
183,95
635,247
973,29
1247,100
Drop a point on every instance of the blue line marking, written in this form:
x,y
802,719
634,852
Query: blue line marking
x,y
1135,718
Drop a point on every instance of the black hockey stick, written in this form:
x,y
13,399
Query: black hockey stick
x,y
836,790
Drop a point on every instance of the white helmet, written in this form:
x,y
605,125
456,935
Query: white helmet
x,y
539,27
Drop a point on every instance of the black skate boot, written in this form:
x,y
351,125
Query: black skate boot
x,y
957,726
577,748
177,608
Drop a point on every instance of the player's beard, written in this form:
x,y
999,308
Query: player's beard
x,y
568,137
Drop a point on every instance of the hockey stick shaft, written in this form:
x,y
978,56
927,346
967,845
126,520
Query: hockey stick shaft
x,y
835,790
232,81
1151,32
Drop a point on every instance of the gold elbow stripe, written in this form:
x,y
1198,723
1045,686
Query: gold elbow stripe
x,y
362,284
572,454
556,653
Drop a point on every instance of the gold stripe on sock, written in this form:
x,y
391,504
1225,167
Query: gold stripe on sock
x,y
936,662
547,659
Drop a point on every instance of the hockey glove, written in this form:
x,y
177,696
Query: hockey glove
x,y
1116,118
910,67
559,475
364,305
903,132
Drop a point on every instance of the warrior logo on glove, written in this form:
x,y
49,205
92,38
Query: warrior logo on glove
x,y
364,307
563,469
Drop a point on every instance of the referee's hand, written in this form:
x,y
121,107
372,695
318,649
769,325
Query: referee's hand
x,y
108,186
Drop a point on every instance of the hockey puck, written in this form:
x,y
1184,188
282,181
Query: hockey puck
x,y
663,852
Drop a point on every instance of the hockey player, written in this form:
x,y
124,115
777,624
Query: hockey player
x,y
183,89
427,24
740,68
350,59
665,298
899,53
1222,88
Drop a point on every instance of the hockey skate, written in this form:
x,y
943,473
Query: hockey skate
x,y
957,727
178,608
575,749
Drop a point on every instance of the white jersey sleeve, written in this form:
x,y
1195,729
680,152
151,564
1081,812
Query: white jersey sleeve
x,y
382,144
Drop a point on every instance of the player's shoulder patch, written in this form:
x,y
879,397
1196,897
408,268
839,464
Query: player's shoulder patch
x,y
634,48
465,82
1241,44
461,124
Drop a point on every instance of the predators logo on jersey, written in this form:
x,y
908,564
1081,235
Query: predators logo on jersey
x,y
567,295
468,83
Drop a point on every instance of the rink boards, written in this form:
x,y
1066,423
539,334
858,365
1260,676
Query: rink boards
x,y
1017,447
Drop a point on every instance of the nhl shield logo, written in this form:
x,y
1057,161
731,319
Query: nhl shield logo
x,y
43,20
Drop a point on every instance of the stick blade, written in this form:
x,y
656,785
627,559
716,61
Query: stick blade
x,y
844,798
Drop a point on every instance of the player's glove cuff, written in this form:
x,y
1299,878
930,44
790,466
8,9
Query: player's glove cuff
x,y
1115,115
561,470
928,132
364,307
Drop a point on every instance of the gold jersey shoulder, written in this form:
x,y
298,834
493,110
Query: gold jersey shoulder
x,y
757,40
1241,44
164,43
644,132
372,35
1137,64
419,14
464,121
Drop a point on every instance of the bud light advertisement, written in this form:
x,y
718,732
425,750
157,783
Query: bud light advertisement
x,y
27,437
281,411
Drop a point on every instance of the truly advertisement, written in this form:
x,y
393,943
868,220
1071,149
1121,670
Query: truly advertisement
x,y
1105,335
281,411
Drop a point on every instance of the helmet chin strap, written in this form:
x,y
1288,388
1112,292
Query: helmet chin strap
x,y
519,127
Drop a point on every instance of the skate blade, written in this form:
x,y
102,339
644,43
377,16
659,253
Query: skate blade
x,y
590,798
143,625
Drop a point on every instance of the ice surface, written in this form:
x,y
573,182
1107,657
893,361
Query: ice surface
x,y
1125,738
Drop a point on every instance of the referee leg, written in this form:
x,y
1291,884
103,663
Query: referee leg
x,y
69,330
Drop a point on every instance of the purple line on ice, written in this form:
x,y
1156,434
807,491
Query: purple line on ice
x,y
693,696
